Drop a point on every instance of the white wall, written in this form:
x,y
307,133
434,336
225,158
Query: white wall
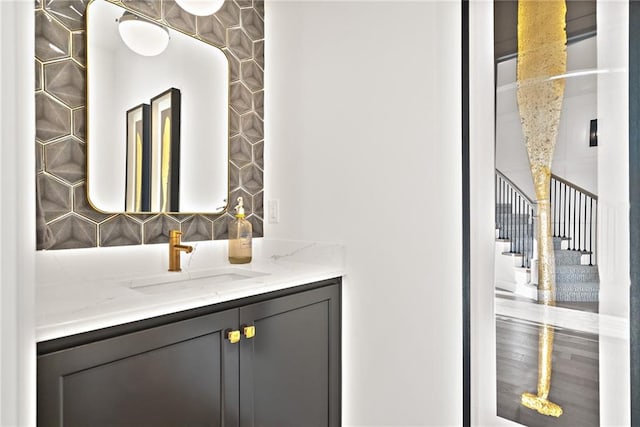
x,y
17,214
363,130
573,159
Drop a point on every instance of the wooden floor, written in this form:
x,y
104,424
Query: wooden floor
x,y
591,307
574,381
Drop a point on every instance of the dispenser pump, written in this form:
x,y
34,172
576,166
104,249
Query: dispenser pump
x,y
239,208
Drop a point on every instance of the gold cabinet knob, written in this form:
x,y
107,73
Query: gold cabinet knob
x,y
249,331
233,336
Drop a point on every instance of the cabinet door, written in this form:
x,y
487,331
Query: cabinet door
x,y
181,374
290,369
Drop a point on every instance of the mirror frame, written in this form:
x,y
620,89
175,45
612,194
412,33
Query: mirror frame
x,y
204,148
634,212
61,117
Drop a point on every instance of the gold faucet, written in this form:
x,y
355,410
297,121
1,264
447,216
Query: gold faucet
x,y
174,250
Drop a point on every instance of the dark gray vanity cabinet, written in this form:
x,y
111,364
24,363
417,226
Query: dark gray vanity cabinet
x,y
290,371
182,370
171,375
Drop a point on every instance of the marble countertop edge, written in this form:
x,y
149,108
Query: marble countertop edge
x,y
68,304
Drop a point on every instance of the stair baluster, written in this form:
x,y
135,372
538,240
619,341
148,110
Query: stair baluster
x,y
514,219
576,217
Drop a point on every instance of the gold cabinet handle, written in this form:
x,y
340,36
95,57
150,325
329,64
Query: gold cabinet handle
x,y
249,331
233,336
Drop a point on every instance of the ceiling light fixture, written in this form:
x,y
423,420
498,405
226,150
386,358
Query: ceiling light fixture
x,y
142,36
200,7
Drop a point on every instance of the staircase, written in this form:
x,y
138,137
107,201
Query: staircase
x,y
577,277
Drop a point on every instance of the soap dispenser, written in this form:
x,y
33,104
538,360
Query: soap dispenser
x,y
240,237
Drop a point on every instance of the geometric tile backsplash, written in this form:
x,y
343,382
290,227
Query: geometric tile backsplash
x,y
60,91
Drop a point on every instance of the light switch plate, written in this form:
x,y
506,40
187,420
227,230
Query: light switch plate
x,y
273,208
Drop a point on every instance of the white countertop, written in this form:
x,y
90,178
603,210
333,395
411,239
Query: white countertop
x,y
81,290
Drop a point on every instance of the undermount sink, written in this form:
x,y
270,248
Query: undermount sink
x,y
193,280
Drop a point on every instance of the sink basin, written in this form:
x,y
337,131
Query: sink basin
x,y
219,279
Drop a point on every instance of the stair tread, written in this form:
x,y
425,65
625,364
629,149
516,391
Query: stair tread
x,y
588,282
576,266
512,253
574,251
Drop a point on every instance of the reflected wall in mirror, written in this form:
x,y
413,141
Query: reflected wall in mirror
x,y
188,170
66,217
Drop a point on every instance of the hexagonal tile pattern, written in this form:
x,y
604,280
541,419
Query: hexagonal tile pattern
x,y
197,228
240,44
234,177
55,197
239,151
51,38
212,216
66,81
82,207
211,30
39,157
156,230
141,218
252,24
258,154
78,51
259,7
251,179
120,230
150,8
79,119
234,66
53,119
240,98
229,14
38,75
234,123
69,12
258,53
256,225
74,232
252,75
251,127
44,238
258,204
221,227
176,17
258,103
237,28
66,159
244,3
181,217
